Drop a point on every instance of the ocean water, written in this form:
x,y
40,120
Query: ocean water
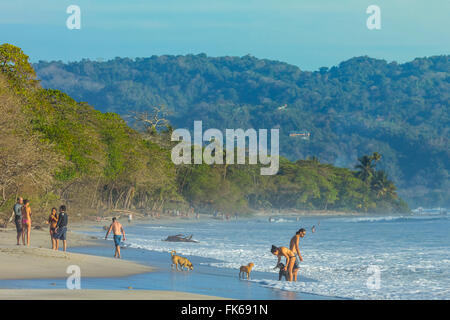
x,y
411,253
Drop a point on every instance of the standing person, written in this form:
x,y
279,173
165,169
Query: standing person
x,y
117,230
61,228
26,221
290,258
293,246
53,220
17,216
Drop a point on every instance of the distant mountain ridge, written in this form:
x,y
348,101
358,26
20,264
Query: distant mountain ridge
x,y
362,105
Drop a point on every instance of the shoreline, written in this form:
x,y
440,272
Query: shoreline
x,y
39,262
309,213
20,263
49,264
96,294
85,225
53,284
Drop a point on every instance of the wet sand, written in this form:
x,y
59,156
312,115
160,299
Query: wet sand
x,y
60,294
40,262
31,263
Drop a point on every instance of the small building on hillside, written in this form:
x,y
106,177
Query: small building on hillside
x,y
304,134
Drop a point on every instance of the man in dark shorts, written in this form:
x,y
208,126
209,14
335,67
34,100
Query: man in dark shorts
x,y
118,231
17,216
61,228
295,269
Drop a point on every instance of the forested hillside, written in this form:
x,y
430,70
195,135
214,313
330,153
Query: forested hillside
x,y
362,105
56,150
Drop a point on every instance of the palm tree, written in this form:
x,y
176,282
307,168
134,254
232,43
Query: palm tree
x,y
366,168
383,187
376,157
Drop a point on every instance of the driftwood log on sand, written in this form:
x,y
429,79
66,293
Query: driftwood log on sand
x,y
180,238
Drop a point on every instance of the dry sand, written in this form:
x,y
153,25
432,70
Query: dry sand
x,y
61,294
31,263
41,238
40,262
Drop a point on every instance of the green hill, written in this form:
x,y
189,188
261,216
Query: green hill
x,y
55,149
362,105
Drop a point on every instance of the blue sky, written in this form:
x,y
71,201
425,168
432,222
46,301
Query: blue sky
x,y
307,33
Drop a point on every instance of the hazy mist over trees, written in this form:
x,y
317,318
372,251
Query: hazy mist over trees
x,y
56,150
361,106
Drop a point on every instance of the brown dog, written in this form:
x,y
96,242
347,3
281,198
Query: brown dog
x,y
180,261
246,270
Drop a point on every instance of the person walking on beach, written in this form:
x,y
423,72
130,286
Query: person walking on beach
x,y
61,228
293,246
17,216
118,231
26,221
53,220
290,258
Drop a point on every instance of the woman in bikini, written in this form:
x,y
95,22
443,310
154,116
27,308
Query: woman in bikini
x,y
53,220
290,258
26,221
293,246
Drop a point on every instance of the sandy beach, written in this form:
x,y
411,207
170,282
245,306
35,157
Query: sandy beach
x,y
56,294
40,262
31,263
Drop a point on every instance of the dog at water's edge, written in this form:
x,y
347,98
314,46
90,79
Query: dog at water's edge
x,y
180,261
282,273
246,270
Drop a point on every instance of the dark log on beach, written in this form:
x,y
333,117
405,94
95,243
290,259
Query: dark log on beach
x,y
180,238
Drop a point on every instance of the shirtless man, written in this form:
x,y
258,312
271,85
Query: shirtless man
x,y
26,222
117,230
290,258
293,246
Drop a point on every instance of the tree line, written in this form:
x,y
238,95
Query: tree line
x,y
357,107
55,149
